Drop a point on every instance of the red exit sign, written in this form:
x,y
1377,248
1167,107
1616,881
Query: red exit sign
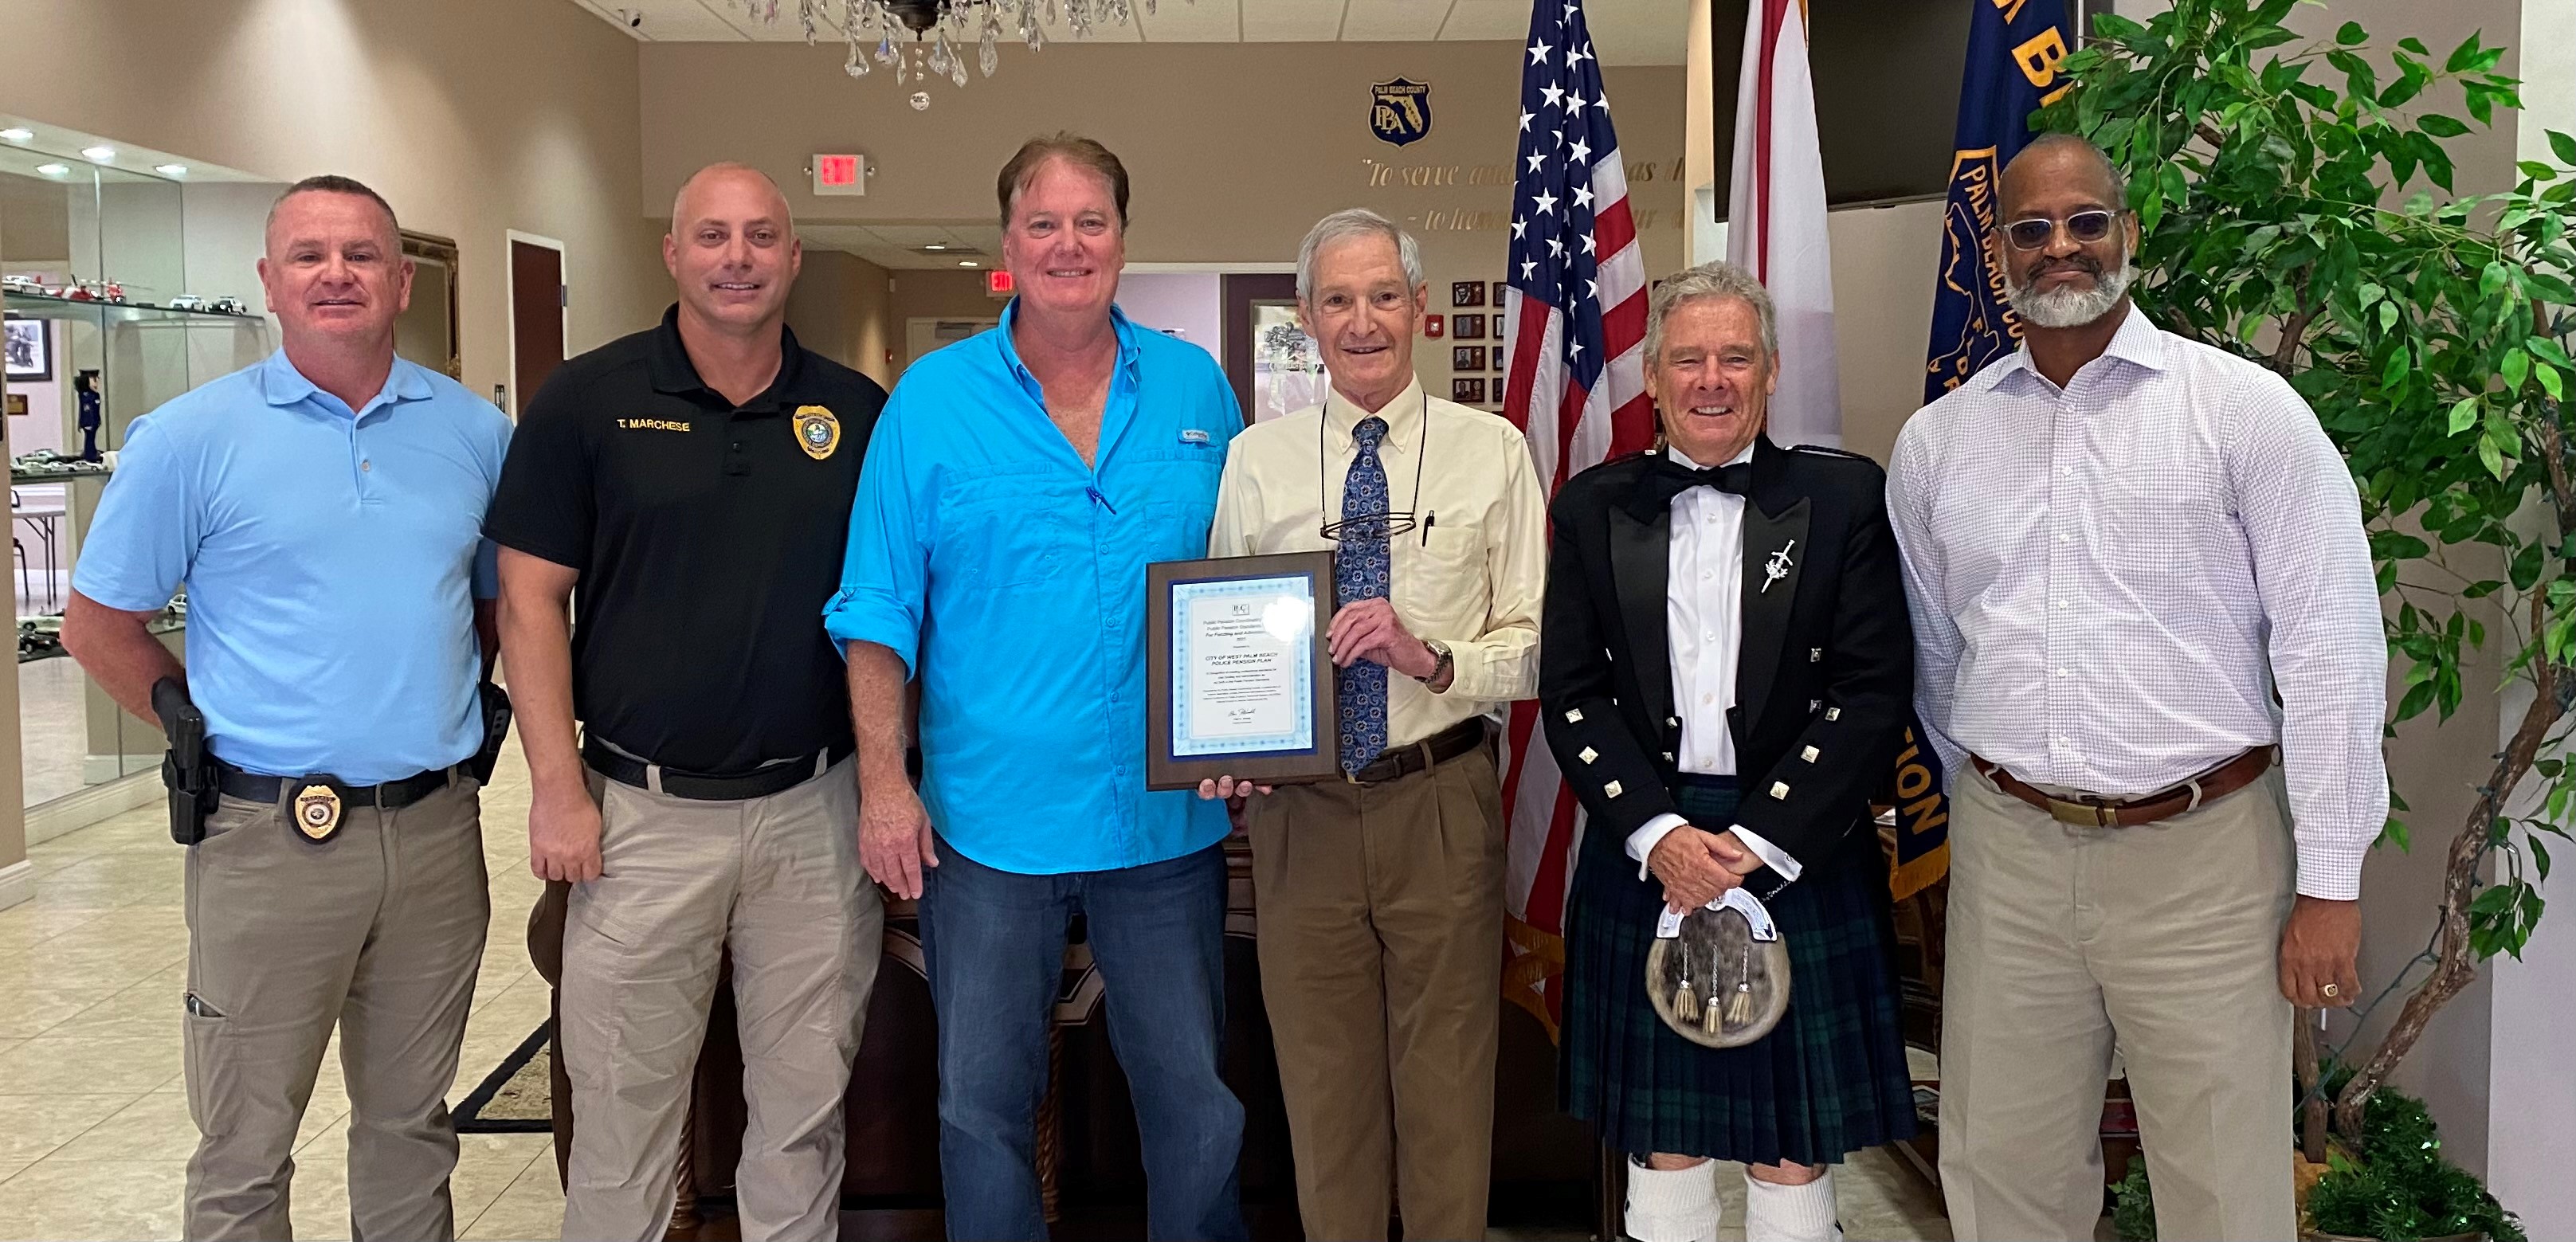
x,y
840,174
998,283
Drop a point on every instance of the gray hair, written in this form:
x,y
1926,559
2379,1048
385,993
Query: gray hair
x,y
1349,223
1710,280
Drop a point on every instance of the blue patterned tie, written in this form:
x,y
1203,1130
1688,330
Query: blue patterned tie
x,y
1359,572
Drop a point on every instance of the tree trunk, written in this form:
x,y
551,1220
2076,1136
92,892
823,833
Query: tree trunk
x,y
2456,963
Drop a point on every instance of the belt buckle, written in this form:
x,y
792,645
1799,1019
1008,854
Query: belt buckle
x,y
2089,813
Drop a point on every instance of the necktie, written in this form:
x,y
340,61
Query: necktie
x,y
1360,572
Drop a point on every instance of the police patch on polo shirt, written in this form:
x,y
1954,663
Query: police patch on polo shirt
x,y
817,431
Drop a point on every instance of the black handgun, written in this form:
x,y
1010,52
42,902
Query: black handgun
x,y
186,769
496,729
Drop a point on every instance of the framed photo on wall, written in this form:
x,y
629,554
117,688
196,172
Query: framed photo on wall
x,y
1498,357
1467,327
1466,391
1466,293
1500,286
1466,357
27,349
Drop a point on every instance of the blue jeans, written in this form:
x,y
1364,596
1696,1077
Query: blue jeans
x,y
994,944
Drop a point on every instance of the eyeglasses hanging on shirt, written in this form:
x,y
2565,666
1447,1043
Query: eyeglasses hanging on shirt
x,y
1363,525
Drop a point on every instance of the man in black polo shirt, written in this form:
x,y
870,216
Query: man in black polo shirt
x,y
690,487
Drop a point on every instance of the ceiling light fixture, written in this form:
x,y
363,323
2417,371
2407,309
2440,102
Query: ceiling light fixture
x,y
933,32
936,246
171,170
17,133
54,170
99,155
965,263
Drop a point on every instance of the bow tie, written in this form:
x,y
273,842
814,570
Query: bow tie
x,y
1670,478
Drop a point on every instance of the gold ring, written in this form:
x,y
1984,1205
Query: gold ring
x,y
2331,990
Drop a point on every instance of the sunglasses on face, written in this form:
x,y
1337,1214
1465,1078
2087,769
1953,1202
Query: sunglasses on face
x,y
2083,226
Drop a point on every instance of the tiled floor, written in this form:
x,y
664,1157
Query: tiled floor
x,y
94,1125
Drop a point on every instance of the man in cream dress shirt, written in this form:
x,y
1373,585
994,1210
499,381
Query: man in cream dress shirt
x,y
1382,895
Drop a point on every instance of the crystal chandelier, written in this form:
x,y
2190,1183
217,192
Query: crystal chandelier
x,y
938,29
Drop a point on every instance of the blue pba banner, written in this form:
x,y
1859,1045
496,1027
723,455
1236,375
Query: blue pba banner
x,y
2014,47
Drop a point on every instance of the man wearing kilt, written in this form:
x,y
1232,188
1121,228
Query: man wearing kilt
x,y
1725,680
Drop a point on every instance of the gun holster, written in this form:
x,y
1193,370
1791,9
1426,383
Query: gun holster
x,y
188,770
496,729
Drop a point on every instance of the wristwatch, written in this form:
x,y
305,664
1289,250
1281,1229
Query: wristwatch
x,y
1442,661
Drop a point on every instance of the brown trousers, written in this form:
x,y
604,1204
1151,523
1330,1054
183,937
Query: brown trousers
x,y
1381,939
378,932
2162,940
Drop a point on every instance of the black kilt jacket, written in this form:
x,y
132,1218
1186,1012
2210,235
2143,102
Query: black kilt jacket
x,y
1825,683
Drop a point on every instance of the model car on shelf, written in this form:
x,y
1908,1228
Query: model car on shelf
x,y
229,306
189,302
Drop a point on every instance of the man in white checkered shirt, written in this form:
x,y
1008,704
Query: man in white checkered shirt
x,y
2150,654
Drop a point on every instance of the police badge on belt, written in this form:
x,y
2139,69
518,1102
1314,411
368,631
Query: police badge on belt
x,y
316,810
1719,975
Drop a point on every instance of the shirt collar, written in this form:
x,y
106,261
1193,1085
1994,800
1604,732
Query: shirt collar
x,y
1682,459
1118,322
1403,414
673,373
281,384
2138,342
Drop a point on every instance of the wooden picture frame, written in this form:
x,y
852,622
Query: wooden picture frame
x,y
28,349
1467,391
1466,293
1164,768
1466,357
1466,327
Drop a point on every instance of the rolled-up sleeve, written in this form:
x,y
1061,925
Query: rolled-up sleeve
x,y
885,568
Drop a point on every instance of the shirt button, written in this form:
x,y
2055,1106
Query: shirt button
x,y
2061,603
2061,672
366,465
1708,698
2066,538
2066,470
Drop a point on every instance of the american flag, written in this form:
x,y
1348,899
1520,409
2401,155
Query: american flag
x,y
1575,327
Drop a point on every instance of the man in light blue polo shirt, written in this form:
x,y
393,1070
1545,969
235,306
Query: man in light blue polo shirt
x,y
1017,485
324,511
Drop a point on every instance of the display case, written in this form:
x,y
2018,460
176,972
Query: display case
x,y
120,290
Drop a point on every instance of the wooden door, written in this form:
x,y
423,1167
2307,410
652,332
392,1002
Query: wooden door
x,y
537,302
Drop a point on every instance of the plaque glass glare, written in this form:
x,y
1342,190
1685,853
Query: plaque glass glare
x,y
1238,670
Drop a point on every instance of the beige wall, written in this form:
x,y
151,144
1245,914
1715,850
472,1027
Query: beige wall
x,y
838,309
1233,151
472,116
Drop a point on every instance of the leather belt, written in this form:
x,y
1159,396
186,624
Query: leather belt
x,y
392,795
1437,749
2208,787
776,778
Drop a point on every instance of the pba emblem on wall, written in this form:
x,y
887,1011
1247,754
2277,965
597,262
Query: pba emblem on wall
x,y
1400,111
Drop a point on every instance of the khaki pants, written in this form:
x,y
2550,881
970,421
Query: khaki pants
x,y
2163,940
378,932
777,881
1381,965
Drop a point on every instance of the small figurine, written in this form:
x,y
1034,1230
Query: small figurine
x,y
92,412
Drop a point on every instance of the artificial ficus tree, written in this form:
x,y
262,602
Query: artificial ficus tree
x,y
2430,332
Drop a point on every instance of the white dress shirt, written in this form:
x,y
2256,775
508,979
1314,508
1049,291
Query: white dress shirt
x,y
1471,573
2111,581
1703,593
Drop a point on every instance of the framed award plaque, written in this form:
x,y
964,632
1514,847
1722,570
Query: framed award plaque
x,y
1239,678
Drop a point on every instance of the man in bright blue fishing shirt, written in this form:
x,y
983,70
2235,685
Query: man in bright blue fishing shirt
x,y
1017,485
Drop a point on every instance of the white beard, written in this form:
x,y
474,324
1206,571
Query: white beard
x,y
2070,308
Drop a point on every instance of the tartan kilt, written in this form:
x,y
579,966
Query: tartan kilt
x,y
1830,1079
